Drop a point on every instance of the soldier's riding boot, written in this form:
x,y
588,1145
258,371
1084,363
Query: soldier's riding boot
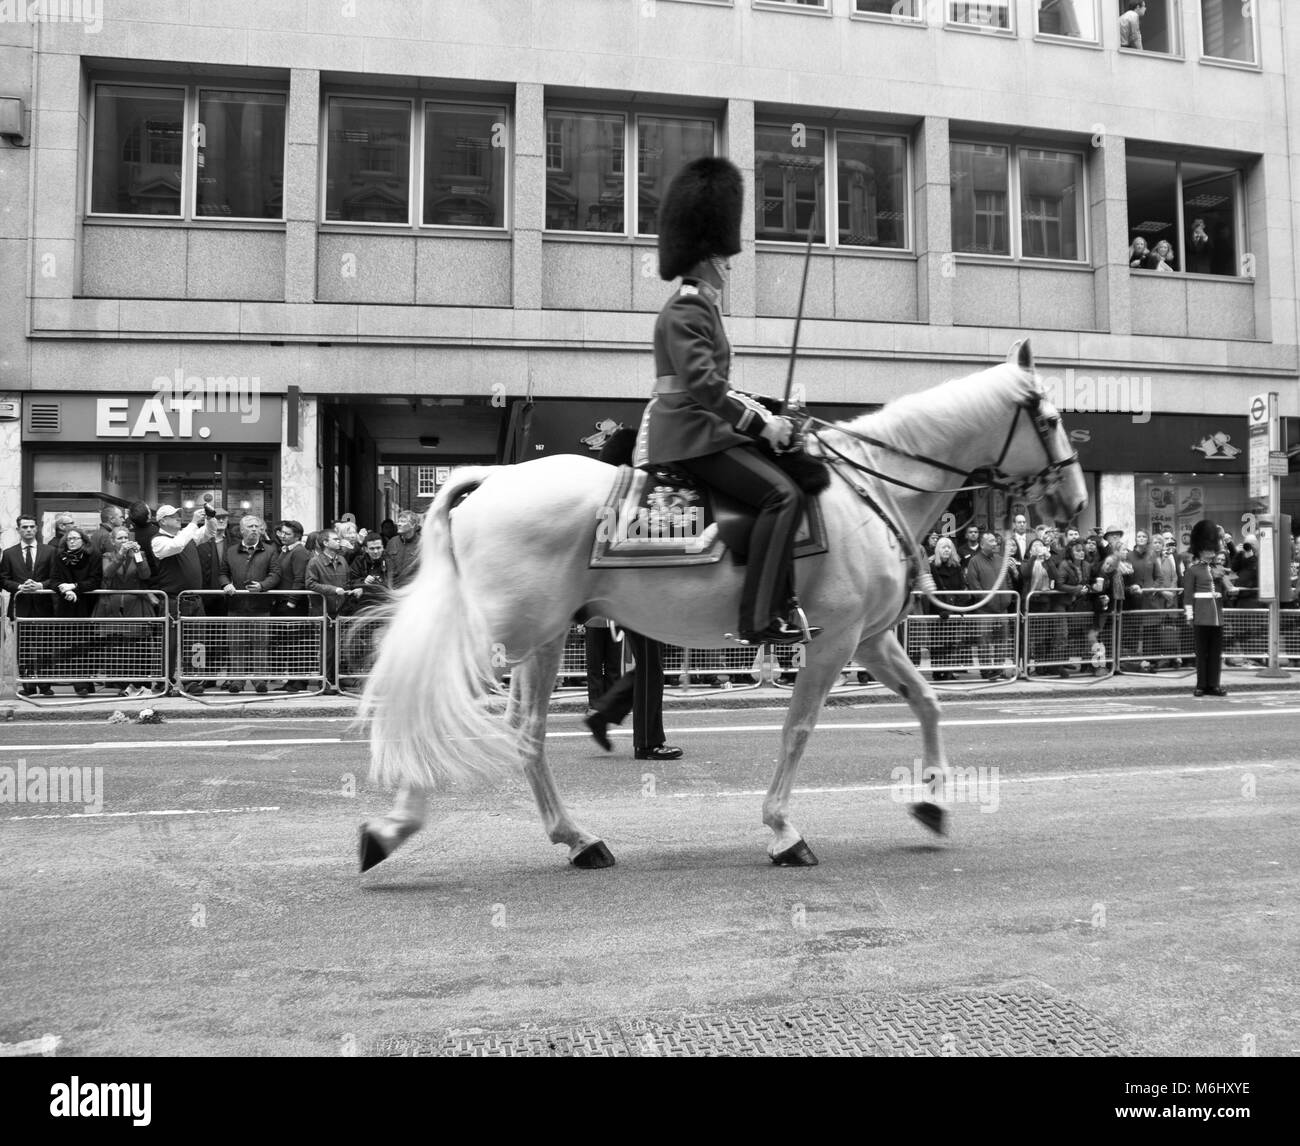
x,y
767,580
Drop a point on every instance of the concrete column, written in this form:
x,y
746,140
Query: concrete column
x,y
11,474
1267,253
301,186
742,288
936,269
529,195
1108,223
300,485
1117,504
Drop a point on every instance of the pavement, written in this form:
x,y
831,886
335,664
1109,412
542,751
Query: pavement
x,y
280,705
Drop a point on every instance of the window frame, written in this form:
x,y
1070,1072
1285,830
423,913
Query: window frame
x,y
1076,41
1174,13
507,172
1016,207
284,159
830,195
1242,231
1254,65
416,155
815,8
420,485
631,116
916,21
1011,31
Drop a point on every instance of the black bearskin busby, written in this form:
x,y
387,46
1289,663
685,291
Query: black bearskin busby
x,y
700,215
1205,535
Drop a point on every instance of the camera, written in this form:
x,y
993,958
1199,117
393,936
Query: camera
x,y
209,512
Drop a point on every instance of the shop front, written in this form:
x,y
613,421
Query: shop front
x,y
83,452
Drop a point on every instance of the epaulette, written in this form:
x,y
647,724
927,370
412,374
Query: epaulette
x,y
687,289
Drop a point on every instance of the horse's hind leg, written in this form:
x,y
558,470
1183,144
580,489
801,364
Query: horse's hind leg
x,y
535,680
885,658
383,836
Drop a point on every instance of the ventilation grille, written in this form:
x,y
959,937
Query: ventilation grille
x,y
44,417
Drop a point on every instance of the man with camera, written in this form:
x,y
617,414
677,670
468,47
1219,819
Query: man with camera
x,y
248,570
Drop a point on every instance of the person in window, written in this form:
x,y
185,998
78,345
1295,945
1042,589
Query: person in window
x,y
1058,18
1164,256
1200,250
1140,256
1130,24
695,420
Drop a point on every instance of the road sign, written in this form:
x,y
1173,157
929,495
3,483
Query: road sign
x,y
1262,422
1278,463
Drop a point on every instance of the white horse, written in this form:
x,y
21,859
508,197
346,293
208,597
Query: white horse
x,y
503,572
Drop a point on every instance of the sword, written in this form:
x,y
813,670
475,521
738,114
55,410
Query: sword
x,y
803,284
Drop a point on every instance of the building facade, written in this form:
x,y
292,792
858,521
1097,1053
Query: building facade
x,y
262,249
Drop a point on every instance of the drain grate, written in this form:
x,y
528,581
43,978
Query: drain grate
x,y
976,1024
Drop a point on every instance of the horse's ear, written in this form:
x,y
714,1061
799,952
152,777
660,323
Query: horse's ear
x,y
1021,355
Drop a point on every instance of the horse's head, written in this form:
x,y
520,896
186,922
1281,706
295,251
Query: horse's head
x,y
1037,461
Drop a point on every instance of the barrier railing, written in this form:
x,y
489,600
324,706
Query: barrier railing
x,y
701,671
1065,635
278,635
949,646
356,641
122,645
1155,635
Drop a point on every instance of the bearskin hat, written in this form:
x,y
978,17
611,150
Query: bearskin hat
x,y
700,215
1205,535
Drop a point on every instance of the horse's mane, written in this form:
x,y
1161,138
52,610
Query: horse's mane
x,y
922,422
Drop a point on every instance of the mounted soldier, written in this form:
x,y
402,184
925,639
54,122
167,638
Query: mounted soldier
x,y
695,420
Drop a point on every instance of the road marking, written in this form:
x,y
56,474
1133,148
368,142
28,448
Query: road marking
x,y
46,1045
111,745
1177,770
120,815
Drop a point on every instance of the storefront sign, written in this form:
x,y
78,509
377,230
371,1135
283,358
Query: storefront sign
x,y
164,417
1177,443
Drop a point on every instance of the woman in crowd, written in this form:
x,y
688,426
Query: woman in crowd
x,y
125,568
1037,580
949,577
74,576
1164,254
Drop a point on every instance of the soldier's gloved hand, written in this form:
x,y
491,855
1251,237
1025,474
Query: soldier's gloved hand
x,y
778,432
1187,612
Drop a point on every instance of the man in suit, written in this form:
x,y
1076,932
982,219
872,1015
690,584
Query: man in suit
x,y
26,568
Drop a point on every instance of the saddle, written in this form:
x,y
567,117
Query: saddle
x,y
664,517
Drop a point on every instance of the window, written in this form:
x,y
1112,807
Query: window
x,y
464,165
894,9
1045,185
989,14
368,161
1154,29
870,189
426,481
587,177
796,3
1074,19
145,160
1228,30
1193,206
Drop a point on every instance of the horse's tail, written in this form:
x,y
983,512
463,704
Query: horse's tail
x,y
428,695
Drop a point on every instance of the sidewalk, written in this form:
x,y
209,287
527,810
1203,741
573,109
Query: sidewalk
x,y
282,706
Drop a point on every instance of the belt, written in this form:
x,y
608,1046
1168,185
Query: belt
x,y
669,384
1214,595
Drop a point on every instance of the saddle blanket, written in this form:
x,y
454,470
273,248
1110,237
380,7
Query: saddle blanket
x,y
652,518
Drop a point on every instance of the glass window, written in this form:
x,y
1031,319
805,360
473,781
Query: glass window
x,y
585,171
426,481
240,164
1150,26
895,9
663,147
1191,206
980,192
1228,30
1076,19
464,166
138,153
871,189
790,162
798,3
1051,204
986,14
368,161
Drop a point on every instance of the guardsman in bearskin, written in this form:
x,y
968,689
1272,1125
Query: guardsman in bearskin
x,y
1204,596
695,419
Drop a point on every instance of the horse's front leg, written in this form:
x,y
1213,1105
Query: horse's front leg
x,y
885,658
816,675
531,686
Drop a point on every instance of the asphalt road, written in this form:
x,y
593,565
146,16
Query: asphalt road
x,y
1134,858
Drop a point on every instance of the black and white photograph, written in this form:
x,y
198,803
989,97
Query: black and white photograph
x,y
747,529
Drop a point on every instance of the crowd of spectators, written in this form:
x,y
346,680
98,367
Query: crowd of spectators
x,y
168,554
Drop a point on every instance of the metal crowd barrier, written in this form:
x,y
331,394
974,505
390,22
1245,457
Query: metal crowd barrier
x,y
948,646
1156,635
356,641
1061,639
113,650
278,635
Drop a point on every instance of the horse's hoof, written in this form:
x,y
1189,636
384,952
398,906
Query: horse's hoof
x,y
931,815
593,856
798,854
372,851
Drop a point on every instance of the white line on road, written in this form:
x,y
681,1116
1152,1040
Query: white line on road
x,y
118,815
46,1045
112,745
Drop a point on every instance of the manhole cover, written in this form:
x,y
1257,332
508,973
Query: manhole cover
x,y
977,1024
